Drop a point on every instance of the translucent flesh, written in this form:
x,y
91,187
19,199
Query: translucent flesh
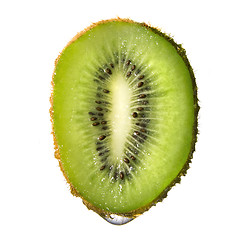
x,y
172,115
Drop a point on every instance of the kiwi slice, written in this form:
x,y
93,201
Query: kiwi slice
x,y
124,112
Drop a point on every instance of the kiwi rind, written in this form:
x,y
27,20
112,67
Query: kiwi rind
x,y
181,51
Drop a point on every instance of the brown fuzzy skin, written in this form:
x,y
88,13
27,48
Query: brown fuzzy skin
x,y
182,53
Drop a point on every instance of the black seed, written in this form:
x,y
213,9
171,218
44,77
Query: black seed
x,y
108,70
134,114
140,108
91,113
105,91
143,130
111,64
95,123
93,118
136,133
144,102
105,127
133,158
128,62
106,102
102,137
140,84
104,122
101,153
101,78
126,160
98,108
102,167
99,148
142,95
122,175
133,67
141,77
100,114
98,102
129,74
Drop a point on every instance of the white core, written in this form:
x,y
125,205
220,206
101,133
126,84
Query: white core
x,y
120,115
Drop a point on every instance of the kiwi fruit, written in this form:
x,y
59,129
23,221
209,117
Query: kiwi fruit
x,y
124,112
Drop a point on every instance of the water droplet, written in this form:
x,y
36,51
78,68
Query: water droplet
x,y
117,220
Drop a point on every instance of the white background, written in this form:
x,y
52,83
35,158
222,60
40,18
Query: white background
x,y
35,202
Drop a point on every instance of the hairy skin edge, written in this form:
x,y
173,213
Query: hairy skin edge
x,y
182,53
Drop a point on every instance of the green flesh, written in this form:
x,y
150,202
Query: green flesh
x,y
160,151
